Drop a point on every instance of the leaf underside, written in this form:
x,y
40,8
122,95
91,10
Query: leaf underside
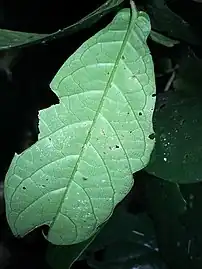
x,y
92,141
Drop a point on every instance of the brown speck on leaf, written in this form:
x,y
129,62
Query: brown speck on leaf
x,y
84,178
117,147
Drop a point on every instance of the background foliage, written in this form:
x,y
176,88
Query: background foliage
x,y
159,223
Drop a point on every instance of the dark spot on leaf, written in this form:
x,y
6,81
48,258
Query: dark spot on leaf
x,y
154,95
130,132
43,186
24,188
117,147
104,152
128,113
152,136
123,57
46,178
85,178
140,113
49,139
107,73
110,147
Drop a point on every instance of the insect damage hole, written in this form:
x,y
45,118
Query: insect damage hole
x,y
152,136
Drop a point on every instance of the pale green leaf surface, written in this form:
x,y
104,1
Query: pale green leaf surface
x,y
90,143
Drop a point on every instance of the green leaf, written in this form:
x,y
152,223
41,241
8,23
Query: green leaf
x,y
127,255
188,78
177,154
163,40
91,143
138,233
11,39
63,257
165,21
167,207
125,241
137,229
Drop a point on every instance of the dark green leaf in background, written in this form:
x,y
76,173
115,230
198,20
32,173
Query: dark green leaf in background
x,y
164,20
175,211
126,241
163,40
123,237
10,39
177,156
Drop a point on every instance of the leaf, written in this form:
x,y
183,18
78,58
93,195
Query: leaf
x,y
188,79
165,21
127,255
137,229
192,220
10,39
163,40
63,257
177,154
138,232
125,241
167,207
91,143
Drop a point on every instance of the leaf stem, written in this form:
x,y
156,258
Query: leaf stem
x,y
133,7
